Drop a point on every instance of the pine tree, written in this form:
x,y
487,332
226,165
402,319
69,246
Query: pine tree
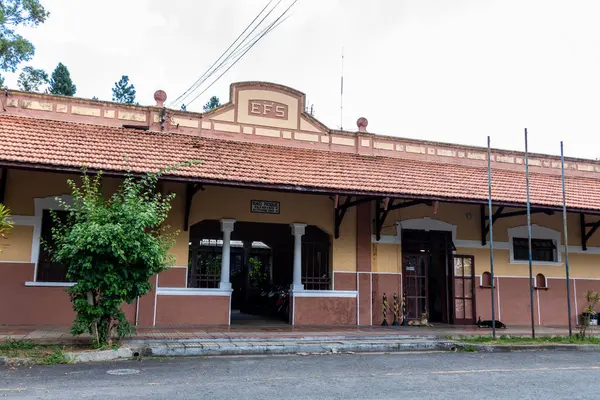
x,y
61,83
212,103
124,92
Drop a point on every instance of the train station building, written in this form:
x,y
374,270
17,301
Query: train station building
x,y
281,203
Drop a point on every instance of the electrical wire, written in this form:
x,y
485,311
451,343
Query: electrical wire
x,y
243,51
221,56
229,56
211,71
271,27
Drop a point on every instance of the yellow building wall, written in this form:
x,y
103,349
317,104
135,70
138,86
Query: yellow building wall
x,y
215,203
344,248
467,220
18,246
175,222
23,186
387,258
219,202
580,265
211,203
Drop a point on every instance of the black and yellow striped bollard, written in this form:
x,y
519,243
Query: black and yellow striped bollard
x,y
384,309
395,323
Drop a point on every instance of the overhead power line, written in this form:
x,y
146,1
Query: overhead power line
x,y
223,54
271,28
235,52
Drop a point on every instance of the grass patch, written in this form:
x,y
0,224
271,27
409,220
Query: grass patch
x,y
38,353
528,340
468,348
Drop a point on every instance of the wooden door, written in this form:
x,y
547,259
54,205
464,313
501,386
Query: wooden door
x,y
415,283
463,276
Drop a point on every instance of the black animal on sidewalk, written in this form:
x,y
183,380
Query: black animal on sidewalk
x,y
488,324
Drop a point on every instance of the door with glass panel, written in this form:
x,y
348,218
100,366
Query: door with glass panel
x,y
415,284
464,289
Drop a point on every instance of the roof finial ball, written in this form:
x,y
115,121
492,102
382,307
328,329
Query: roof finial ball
x,y
160,96
362,123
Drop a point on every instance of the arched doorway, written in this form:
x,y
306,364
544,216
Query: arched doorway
x,y
261,266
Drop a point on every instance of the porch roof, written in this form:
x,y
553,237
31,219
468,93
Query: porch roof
x,y
48,144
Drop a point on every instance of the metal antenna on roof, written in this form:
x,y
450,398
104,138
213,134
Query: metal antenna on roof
x,y
491,224
566,236
529,236
342,94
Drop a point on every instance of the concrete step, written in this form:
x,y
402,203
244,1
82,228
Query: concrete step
x,y
214,348
274,339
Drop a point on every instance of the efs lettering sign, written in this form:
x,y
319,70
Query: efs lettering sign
x,y
267,109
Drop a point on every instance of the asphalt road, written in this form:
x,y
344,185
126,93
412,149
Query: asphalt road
x,y
542,375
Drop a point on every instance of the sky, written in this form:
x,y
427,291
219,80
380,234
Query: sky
x,y
450,71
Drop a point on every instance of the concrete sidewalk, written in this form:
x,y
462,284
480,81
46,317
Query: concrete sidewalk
x,y
269,333
252,341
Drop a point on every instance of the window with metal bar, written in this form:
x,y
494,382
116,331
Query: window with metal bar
x,y
204,269
541,249
315,266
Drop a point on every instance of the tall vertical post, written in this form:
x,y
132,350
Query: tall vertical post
x,y
227,228
491,224
298,231
566,237
529,237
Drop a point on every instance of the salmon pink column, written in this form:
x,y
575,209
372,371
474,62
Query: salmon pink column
x,y
227,228
298,231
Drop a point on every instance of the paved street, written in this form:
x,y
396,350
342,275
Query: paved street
x,y
543,375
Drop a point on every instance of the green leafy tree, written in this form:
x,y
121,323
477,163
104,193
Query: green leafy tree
x,y
14,48
31,79
212,103
61,83
124,92
5,223
111,247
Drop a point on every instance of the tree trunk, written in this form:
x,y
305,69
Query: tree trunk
x,y
90,299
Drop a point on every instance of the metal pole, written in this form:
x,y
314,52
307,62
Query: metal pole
x,y
491,223
566,237
529,236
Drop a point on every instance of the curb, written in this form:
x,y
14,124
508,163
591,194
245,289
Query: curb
x,y
281,340
262,348
504,348
100,355
300,347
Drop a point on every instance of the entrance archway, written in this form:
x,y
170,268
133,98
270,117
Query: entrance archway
x,y
261,266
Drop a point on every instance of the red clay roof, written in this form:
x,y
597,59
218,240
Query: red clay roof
x,y
39,142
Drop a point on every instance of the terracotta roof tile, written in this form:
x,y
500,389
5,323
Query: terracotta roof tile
x,y
66,144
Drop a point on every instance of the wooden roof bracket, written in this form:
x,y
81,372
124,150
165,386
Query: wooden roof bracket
x,y
585,236
388,205
499,214
190,190
340,210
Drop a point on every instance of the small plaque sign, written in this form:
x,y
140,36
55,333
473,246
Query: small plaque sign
x,y
264,207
